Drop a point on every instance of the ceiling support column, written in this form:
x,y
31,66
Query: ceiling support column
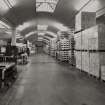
x,y
13,42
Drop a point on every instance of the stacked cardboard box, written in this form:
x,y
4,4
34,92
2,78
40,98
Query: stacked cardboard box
x,y
93,51
78,41
102,65
84,37
85,20
85,61
63,47
97,37
78,56
93,38
78,47
64,55
103,72
64,44
70,57
96,41
94,64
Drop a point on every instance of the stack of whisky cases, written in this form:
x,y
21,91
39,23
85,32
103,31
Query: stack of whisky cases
x,y
64,49
63,46
85,20
85,50
78,52
96,43
72,47
91,56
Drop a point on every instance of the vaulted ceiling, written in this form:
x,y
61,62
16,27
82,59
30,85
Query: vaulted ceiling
x,y
50,12
25,10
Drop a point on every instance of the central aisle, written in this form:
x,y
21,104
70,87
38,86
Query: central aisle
x,y
45,82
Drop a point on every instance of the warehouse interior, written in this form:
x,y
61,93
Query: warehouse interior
x,y
52,52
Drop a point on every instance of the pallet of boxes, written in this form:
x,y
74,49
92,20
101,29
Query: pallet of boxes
x,y
90,47
72,46
63,47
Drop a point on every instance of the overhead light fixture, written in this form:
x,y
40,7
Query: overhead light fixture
x,y
10,3
41,34
42,27
46,5
3,6
40,38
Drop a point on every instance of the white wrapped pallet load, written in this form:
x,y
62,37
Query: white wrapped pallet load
x,y
101,33
78,22
102,58
85,61
84,20
102,64
78,56
96,42
85,40
94,37
93,56
93,43
103,72
90,39
70,57
77,39
94,64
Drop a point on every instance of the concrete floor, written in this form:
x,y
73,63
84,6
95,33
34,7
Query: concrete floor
x,y
46,82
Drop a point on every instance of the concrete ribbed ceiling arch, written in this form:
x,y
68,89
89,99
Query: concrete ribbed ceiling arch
x,y
21,11
25,10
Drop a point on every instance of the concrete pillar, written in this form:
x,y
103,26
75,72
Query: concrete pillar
x,y
13,37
